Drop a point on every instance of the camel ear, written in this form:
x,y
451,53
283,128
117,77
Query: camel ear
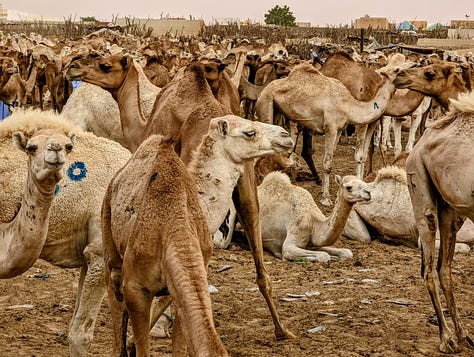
x,y
229,59
338,180
125,61
20,140
223,127
72,136
447,70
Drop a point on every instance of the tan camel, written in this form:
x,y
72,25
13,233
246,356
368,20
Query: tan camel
x,y
187,99
440,81
292,224
440,170
23,238
156,239
322,104
74,238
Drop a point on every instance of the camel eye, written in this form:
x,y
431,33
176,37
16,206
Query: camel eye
x,y
105,67
430,75
249,134
68,147
30,149
349,188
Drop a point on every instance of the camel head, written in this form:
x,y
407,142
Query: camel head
x,y
244,140
353,189
8,66
106,72
47,150
429,80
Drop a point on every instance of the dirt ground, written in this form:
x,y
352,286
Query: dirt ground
x,y
390,314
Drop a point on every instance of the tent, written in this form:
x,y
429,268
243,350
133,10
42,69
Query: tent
x,y
435,26
406,25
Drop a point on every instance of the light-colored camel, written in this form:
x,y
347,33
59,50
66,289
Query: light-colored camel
x,y
322,104
74,237
440,173
156,240
22,239
183,110
389,213
220,161
292,224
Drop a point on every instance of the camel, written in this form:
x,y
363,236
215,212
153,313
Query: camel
x,y
440,81
74,238
183,110
153,203
440,170
292,222
363,83
322,104
390,213
23,237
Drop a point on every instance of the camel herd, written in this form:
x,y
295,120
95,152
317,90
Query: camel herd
x,y
154,142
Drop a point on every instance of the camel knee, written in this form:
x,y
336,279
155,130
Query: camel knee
x,y
430,218
80,340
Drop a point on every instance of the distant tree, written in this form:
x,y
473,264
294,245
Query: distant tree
x,y
280,16
88,19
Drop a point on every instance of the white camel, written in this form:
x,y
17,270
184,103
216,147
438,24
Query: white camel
x,y
74,238
292,224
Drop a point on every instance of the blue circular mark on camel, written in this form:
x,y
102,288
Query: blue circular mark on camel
x,y
77,171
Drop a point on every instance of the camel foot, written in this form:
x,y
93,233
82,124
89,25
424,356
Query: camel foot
x,y
326,202
449,345
284,334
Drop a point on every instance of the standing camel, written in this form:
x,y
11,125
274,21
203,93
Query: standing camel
x,y
23,238
322,104
440,172
183,110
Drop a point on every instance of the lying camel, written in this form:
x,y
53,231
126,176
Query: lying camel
x,y
292,223
22,239
156,241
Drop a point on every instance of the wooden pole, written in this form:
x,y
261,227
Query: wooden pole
x,y
361,40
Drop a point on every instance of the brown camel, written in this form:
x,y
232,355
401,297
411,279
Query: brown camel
x,y
187,99
440,172
322,104
156,241
23,238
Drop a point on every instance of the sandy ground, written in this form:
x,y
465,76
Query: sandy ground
x,y
390,314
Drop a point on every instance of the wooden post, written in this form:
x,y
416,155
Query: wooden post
x,y
361,40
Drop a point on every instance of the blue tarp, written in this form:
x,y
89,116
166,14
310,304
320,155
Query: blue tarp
x,y
406,25
4,110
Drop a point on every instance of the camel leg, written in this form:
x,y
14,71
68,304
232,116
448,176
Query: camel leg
x,y
361,131
449,224
397,133
331,138
246,203
290,251
307,154
177,338
138,301
91,291
417,117
337,253
386,124
426,216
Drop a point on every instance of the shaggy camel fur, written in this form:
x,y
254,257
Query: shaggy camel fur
x,y
322,104
74,237
183,110
440,172
23,238
220,160
94,109
156,241
292,223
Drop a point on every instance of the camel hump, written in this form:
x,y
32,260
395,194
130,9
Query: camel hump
x,y
464,103
392,173
277,176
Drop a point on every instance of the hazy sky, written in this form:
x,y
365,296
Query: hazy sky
x,y
322,12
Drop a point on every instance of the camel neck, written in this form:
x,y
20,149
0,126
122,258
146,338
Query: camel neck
x,y
404,104
22,239
328,233
216,176
131,116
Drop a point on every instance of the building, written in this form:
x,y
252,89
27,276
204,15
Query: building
x,y
303,24
227,21
10,15
366,22
462,24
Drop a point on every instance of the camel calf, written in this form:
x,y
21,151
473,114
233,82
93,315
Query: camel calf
x,y
157,242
